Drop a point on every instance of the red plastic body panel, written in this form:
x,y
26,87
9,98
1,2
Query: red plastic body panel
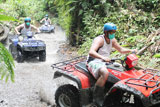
x,y
81,76
136,74
134,77
126,74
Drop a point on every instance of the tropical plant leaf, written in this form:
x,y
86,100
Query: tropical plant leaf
x,y
3,74
6,18
7,77
7,59
1,10
157,55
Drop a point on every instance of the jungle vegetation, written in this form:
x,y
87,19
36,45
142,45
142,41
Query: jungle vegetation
x,y
138,22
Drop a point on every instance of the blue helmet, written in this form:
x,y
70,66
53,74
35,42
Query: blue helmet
x,y
46,15
109,26
27,19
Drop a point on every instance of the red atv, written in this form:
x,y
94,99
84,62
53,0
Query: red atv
x,y
125,87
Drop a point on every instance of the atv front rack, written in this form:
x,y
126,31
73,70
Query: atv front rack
x,y
70,69
154,78
68,65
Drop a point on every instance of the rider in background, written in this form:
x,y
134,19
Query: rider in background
x,y
99,54
24,28
46,20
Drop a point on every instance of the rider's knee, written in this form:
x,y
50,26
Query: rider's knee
x,y
104,72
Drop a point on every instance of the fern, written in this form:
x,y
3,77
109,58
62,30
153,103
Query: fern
x,y
6,63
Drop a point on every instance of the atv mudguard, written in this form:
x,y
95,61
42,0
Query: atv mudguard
x,y
146,101
85,84
14,41
84,89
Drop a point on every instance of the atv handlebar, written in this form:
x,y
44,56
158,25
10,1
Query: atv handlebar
x,y
114,59
134,52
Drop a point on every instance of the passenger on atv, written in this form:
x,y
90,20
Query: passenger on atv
x,y
24,28
98,56
46,20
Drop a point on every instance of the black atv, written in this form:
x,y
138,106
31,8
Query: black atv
x,y
23,46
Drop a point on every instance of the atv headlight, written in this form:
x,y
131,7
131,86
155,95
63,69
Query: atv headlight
x,y
131,60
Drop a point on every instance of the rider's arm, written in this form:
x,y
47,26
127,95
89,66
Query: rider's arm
x,y
97,43
18,28
34,27
42,20
49,21
120,48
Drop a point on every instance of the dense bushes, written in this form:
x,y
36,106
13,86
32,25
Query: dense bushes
x,y
84,19
20,9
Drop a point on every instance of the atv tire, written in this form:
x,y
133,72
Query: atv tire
x,y
52,31
20,56
67,96
122,99
11,50
42,55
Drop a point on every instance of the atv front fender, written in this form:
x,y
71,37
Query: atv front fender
x,y
69,76
120,86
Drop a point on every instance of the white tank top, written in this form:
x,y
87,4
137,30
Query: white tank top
x,y
25,30
105,50
46,22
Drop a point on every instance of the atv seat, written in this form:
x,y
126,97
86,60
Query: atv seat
x,y
82,67
112,79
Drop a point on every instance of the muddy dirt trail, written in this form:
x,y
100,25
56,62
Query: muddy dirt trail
x,y
33,75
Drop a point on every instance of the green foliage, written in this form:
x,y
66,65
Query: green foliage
x,y
92,27
83,20
6,18
146,61
6,60
6,64
21,8
85,47
157,55
147,5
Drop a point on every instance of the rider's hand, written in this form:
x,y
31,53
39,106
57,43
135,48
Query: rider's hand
x,y
134,51
18,33
38,31
106,59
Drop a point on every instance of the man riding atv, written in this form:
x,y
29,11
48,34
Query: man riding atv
x,y
47,27
98,56
46,20
24,28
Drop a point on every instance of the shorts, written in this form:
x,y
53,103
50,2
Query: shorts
x,y
94,67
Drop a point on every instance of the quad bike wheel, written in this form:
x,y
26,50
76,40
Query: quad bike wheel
x,y
122,99
42,55
11,50
20,56
52,31
67,96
